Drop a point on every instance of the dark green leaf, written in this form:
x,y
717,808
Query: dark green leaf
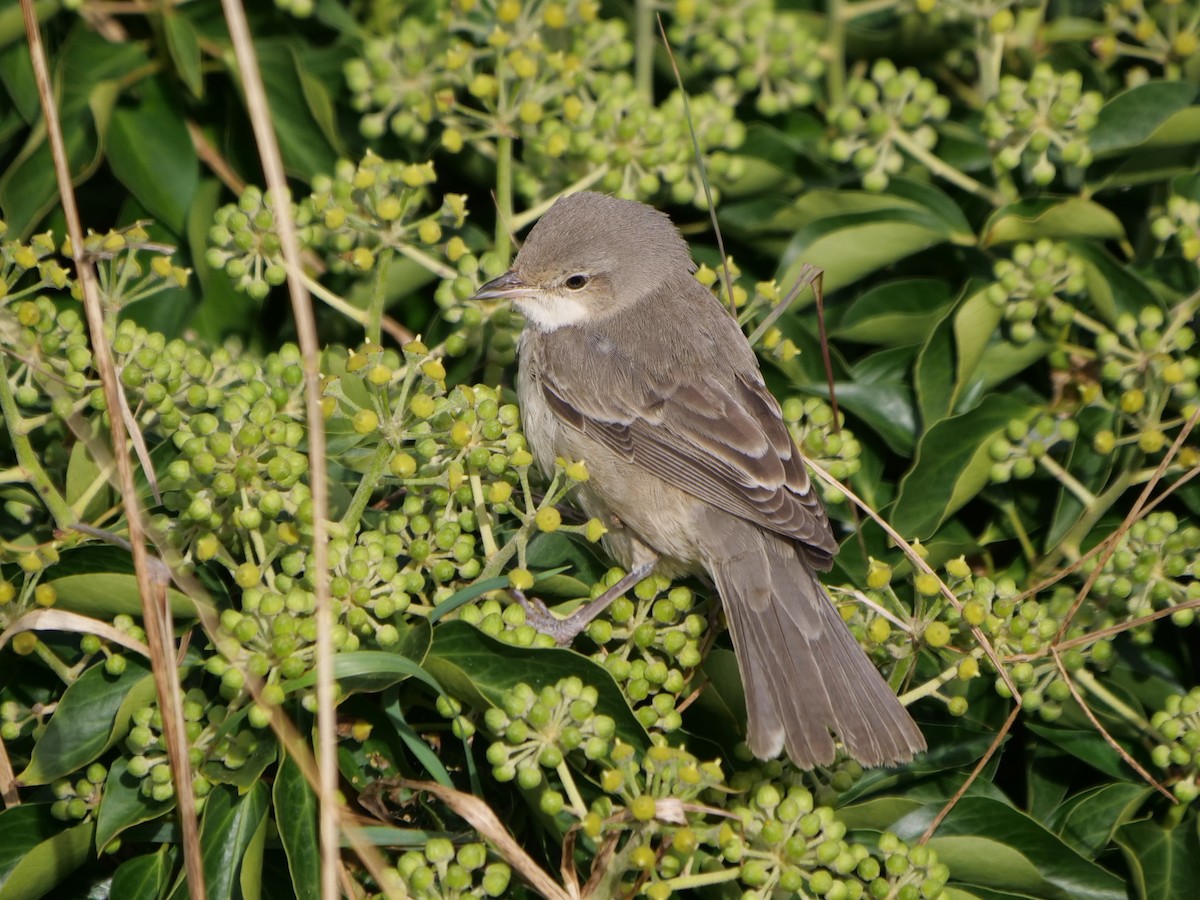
x,y
92,715
1112,287
296,818
1049,217
184,47
853,245
480,669
151,152
230,824
1130,118
305,151
143,877
37,851
1164,863
369,670
124,805
988,843
1089,820
107,594
895,313
952,465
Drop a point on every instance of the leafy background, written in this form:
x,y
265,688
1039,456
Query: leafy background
x,y
1003,198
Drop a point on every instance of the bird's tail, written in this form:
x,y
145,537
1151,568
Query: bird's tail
x,y
803,673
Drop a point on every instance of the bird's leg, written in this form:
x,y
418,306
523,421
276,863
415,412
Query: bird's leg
x,y
565,630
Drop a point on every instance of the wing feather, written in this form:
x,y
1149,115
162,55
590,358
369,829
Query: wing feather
x,y
720,438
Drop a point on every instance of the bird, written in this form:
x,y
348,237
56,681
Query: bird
x,y
628,363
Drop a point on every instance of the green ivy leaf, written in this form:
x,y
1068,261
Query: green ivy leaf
x,y
144,877
1112,286
1049,217
123,805
952,465
184,46
479,669
1132,117
849,247
151,153
92,715
1089,821
296,817
230,825
989,844
37,851
1164,863
895,313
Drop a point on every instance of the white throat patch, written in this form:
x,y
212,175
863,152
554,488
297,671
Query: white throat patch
x,y
550,315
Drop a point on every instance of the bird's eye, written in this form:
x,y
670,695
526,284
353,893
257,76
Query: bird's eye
x,y
576,282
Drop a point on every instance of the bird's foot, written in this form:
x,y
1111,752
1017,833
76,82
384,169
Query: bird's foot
x,y
546,622
565,630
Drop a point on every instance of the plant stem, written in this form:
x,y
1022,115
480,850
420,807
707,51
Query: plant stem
x,y
945,170
482,517
378,295
438,268
573,794
934,684
56,665
1069,481
504,195
702,879
1088,682
1018,527
835,39
27,457
534,213
366,487
1069,545
643,65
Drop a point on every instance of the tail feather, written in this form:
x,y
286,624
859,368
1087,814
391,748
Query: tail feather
x,y
803,673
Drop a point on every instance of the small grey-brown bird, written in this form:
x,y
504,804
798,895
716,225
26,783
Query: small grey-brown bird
x,y
629,364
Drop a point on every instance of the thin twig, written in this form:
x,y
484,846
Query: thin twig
x,y
1135,513
306,331
712,209
1109,739
156,615
975,773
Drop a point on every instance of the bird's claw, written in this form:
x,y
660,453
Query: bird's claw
x,y
563,631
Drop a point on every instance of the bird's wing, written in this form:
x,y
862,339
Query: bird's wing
x,y
719,437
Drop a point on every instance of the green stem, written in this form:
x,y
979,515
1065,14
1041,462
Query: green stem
x,y
1088,682
483,517
835,40
366,487
1069,481
1069,545
1018,527
440,269
323,293
701,879
504,195
531,215
933,685
990,56
573,794
378,295
27,457
945,170
50,658
643,49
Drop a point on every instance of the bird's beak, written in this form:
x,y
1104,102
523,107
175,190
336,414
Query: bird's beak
x,y
509,286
